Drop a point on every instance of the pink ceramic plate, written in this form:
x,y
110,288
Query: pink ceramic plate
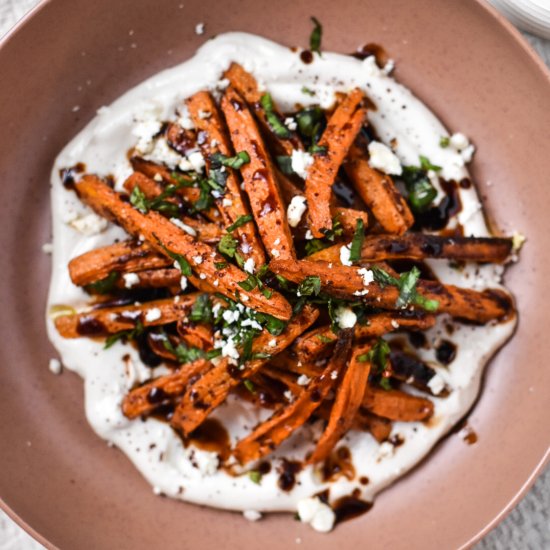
x,y
72,56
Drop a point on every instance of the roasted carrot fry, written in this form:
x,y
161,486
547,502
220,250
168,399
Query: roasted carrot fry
x,y
109,320
348,218
418,246
212,388
379,427
270,434
347,283
378,192
153,278
189,194
168,239
339,134
397,405
259,178
316,342
127,256
247,87
161,391
214,139
349,396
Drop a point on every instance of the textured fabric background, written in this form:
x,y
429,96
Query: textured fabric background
x,y
526,528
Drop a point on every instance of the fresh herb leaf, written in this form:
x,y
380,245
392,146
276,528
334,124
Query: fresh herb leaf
x,y
285,164
232,162
426,165
249,385
407,287
310,286
228,245
182,181
314,245
104,285
205,200
220,265
184,265
382,277
130,334
315,37
272,324
357,241
278,128
444,142
420,189
261,355
385,383
318,149
310,122
324,339
239,222
250,283
201,311
139,200
255,476
426,303
379,354
307,91
363,358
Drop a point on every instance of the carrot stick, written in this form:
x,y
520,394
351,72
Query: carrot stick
x,y
378,192
209,391
418,246
348,218
339,134
214,139
345,282
349,396
161,391
168,239
259,178
268,435
397,405
109,320
153,278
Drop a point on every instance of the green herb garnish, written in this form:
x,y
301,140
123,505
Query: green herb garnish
x,y
307,91
315,37
232,162
421,191
357,242
255,476
249,385
104,285
444,142
139,200
201,311
310,286
220,265
379,354
184,265
278,128
425,164
239,222
228,245
324,339
285,164
130,334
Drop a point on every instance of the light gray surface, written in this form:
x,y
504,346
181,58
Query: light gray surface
x,y
526,528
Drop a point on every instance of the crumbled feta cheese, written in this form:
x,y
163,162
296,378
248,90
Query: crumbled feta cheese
x,y
275,253
216,282
334,375
296,210
244,298
363,292
199,28
184,119
197,260
206,462
183,282
273,342
130,279
345,317
383,158
367,275
436,384
303,380
202,276
162,153
277,241
251,323
184,227
89,224
157,177
291,124
197,160
345,252
47,248
309,235
249,265
230,316
229,350
394,324
315,512
301,161
252,515
203,115
459,141
227,202
467,154
55,366
153,315
518,239
288,395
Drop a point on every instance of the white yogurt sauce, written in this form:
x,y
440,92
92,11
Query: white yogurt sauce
x,y
192,474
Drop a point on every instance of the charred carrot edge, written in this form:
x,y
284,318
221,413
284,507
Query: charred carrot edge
x,y
380,428
124,257
344,282
169,240
109,320
204,231
397,405
419,246
349,396
342,127
378,192
268,435
214,139
411,370
188,194
209,391
259,178
245,84
313,344
160,391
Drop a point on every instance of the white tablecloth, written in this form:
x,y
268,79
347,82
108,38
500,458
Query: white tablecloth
x,y
527,527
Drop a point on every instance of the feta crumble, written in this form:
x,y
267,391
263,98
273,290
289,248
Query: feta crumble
x,y
89,224
300,162
197,260
303,380
291,124
296,210
345,252
184,227
55,366
383,158
315,512
252,515
249,265
130,279
367,275
153,315
436,384
183,282
345,317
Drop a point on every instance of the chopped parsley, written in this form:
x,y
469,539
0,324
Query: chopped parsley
x,y
249,385
201,311
239,222
184,265
278,128
311,122
104,285
185,354
220,265
421,192
130,334
159,203
444,142
256,280
310,286
307,91
357,241
232,162
379,354
228,245
273,325
255,476
425,164
316,36
285,164
324,339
